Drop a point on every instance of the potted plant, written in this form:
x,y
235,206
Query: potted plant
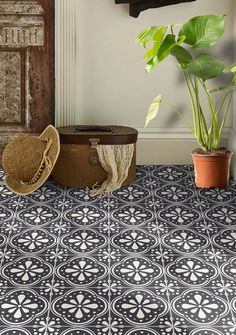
x,y
188,44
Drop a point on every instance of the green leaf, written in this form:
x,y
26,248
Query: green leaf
x,y
162,52
230,68
153,110
162,44
203,31
168,44
233,68
147,35
224,88
151,53
158,38
205,67
182,55
151,64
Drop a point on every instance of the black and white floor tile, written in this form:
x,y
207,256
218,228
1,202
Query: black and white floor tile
x,y
155,258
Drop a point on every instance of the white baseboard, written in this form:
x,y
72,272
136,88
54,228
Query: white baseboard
x,y
164,146
179,133
161,152
232,147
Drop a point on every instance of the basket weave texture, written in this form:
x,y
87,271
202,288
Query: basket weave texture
x,y
73,167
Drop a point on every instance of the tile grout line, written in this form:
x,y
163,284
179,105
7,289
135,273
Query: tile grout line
x,y
213,249
54,266
109,266
10,231
161,249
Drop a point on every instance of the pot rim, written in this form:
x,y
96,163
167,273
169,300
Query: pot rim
x,y
217,154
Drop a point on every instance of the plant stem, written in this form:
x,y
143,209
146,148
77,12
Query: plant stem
x,y
201,118
222,103
198,117
225,115
191,100
214,129
180,115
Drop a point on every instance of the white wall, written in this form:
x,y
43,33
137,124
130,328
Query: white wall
x,y
232,141
101,75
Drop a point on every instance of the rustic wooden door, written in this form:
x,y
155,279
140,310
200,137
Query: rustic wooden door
x,y
26,67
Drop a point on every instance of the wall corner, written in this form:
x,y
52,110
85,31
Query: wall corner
x,y
232,147
232,140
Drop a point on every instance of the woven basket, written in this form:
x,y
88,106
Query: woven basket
x,y
78,164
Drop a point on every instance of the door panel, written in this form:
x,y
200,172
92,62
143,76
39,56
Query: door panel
x,y
27,79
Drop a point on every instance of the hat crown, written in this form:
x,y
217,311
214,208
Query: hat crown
x,y
28,161
22,157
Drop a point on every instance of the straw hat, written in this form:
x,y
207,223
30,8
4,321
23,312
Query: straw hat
x,y
28,160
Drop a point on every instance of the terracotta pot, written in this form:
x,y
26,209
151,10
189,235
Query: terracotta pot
x,y
212,170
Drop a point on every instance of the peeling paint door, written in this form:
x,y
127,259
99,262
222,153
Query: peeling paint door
x,y
26,67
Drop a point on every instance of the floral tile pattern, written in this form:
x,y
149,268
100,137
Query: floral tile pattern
x,y
157,257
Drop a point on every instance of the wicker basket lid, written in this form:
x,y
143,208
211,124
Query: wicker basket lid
x,y
107,134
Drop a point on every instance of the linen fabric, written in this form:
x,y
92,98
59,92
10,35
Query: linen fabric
x,y
116,161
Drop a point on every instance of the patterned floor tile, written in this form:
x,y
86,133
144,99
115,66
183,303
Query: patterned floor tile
x,y
26,271
174,193
81,306
134,241
186,241
136,271
82,271
133,193
155,258
192,271
218,196
139,306
170,174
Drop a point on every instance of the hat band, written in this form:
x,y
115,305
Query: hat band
x,y
46,161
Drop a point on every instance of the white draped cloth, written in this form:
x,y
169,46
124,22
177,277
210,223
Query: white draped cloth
x,y
116,160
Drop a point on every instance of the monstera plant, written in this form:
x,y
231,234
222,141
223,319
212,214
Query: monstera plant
x,y
189,44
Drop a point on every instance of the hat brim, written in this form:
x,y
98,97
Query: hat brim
x,y
23,189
